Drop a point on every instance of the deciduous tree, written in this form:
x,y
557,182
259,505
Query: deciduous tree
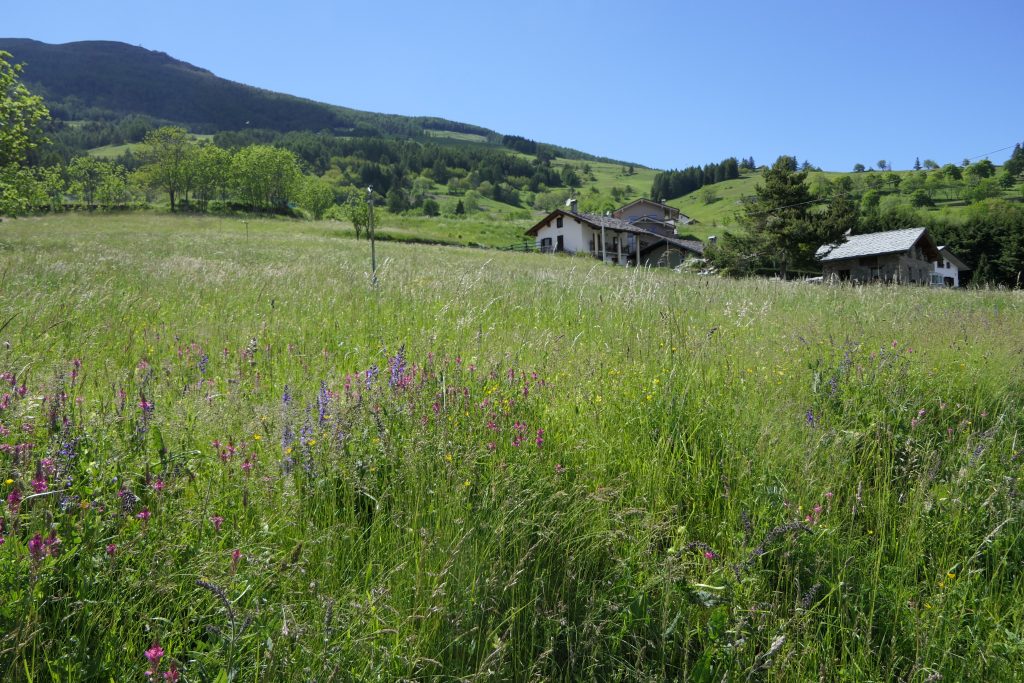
x,y
21,115
167,152
265,177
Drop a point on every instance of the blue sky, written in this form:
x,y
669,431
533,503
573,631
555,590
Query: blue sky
x,y
661,83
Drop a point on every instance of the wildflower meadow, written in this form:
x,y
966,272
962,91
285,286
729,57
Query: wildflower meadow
x,y
225,455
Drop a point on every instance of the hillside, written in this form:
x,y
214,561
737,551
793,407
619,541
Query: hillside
x,y
728,197
104,80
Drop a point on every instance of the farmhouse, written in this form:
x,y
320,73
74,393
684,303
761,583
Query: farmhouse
x,y
947,269
615,240
903,256
653,216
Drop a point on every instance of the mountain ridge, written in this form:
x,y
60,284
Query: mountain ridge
x,y
106,79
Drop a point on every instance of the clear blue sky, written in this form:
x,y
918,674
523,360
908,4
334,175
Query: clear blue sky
x,y
662,83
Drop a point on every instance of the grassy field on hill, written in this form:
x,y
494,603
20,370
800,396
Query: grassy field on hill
x,y
729,196
236,459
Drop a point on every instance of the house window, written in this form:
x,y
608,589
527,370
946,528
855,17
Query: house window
x,y
869,261
558,222
948,265
545,244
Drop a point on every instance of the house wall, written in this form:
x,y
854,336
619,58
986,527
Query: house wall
x,y
576,236
906,268
946,277
644,208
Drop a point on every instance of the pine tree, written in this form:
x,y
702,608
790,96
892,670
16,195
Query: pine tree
x,y
779,226
917,163
1015,164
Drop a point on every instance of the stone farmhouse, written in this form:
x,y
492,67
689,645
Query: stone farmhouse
x,y
640,233
902,256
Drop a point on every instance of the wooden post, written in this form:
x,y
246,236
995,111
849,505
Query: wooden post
x,y
373,241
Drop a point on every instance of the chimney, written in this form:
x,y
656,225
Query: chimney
x,y
573,205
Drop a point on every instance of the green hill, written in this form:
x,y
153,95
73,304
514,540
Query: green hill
x,y
105,80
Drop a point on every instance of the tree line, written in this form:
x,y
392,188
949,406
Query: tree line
x,y
673,184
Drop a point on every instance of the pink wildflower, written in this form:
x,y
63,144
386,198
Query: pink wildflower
x,y
158,485
709,555
14,500
143,514
39,484
172,674
111,549
217,522
154,654
559,468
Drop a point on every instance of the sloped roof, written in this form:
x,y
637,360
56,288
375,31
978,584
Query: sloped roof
x,y
644,200
597,221
949,256
592,219
877,243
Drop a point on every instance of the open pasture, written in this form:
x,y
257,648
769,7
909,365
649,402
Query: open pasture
x,y
236,459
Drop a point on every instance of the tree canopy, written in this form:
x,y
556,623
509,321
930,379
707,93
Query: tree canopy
x,y
21,115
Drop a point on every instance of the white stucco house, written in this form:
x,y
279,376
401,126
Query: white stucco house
x,y
611,239
947,269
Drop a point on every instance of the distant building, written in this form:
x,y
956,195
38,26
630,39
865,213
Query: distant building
x,y
902,256
615,240
652,216
947,269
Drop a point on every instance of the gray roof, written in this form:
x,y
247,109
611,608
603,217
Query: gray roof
x,y
951,257
872,244
624,226
611,223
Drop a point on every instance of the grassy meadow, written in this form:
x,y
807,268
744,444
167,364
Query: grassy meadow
x,y
235,459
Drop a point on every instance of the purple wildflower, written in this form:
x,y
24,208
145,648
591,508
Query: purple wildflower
x,y
323,402
35,548
397,367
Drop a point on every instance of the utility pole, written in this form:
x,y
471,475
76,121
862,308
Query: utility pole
x,y
373,242
604,246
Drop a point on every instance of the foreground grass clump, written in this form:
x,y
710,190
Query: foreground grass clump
x,y
236,459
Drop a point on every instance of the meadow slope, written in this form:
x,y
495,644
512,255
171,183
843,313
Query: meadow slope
x,y
232,459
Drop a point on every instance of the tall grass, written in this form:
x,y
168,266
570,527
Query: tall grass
x,y
493,466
